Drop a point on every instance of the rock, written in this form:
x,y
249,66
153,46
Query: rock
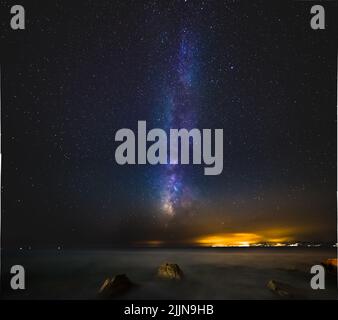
x,y
282,289
118,285
330,265
170,271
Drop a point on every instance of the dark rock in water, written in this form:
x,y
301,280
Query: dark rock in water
x,y
330,265
113,287
170,271
283,290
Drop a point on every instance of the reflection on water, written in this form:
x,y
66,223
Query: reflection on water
x,y
231,273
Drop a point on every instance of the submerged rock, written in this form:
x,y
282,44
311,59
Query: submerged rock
x,y
118,285
170,271
330,265
282,289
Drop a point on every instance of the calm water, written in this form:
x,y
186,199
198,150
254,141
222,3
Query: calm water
x,y
210,273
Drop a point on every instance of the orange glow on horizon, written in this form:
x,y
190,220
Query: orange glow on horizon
x,y
277,237
228,239
242,239
151,243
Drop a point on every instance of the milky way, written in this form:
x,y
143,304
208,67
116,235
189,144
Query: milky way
x,y
257,70
182,113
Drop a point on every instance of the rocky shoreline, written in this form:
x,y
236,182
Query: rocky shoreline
x,y
120,284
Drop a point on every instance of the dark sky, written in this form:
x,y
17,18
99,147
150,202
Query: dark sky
x,y
84,69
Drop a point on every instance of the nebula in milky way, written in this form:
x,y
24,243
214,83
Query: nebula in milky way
x,y
182,113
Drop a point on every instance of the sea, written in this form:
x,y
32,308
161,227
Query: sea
x,y
209,273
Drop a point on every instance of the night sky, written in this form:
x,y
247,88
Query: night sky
x,y
83,70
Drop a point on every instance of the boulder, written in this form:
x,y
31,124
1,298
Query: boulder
x,y
170,271
330,265
118,285
281,289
